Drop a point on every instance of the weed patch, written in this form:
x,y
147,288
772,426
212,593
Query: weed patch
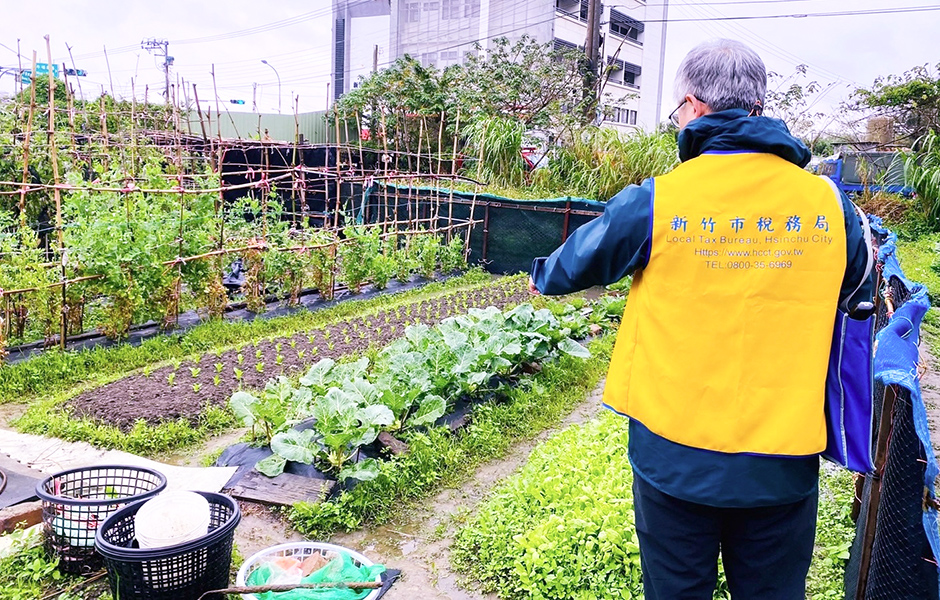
x,y
564,527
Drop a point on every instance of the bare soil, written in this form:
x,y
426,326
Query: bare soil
x,y
169,393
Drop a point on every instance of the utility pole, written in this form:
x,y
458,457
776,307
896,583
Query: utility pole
x,y
254,97
375,58
591,47
156,45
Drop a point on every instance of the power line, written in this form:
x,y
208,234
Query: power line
x,y
844,13
767,45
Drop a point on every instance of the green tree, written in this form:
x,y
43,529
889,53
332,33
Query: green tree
x,y
522,80
911,99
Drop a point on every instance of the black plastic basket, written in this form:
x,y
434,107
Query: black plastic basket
x,y
76,502
181,572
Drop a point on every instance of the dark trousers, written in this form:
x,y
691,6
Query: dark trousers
x,y
765,551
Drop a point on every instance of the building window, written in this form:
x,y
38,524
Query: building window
x,y
471,9
447,56
625,31
450,9
623,116
414,12
429,59
431,6
631,74
626,27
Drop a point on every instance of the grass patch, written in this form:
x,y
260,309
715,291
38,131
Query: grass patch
x,y
54,371
438,457
563,528
49,419
920,260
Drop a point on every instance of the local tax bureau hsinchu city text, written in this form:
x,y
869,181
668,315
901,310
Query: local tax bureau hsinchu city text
x,y
749,253
816,238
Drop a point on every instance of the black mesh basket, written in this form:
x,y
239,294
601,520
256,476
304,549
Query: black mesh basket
x,y
76,502
181,572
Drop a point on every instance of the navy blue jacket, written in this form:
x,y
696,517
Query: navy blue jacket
x,y
617,243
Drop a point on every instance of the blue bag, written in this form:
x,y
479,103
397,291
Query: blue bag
x,y
849,387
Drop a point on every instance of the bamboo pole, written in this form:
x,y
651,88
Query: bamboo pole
x,y
133,129
111,81
179,175
362,168
386,158
339,191
29,132
103,121
293,186
453,172
71,108
363,585
53,155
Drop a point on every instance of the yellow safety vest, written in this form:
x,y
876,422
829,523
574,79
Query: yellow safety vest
x,y
724,343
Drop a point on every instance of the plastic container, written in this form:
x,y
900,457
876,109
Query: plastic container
x,y
299,550
181,572
172,518
77,501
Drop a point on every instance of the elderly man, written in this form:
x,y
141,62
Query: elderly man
x,y
739,259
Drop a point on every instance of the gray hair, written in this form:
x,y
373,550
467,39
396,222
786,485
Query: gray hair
x,y
723,74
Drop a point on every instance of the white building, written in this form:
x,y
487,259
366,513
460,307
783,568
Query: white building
x,y
370,33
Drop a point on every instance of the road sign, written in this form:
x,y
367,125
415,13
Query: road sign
x,y
43,69
76,72
237,101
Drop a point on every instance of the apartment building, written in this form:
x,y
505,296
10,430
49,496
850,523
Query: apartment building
x,y
370,34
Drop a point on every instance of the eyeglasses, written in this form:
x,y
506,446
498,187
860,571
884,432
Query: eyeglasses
x,y
674,115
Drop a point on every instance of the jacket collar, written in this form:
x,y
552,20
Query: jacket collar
x,y
734,131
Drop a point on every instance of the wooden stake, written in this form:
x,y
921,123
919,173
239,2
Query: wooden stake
x,y
53,155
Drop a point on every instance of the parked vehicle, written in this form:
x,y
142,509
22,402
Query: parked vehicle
x,y
855,172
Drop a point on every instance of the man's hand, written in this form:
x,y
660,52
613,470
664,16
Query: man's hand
x,y
532,289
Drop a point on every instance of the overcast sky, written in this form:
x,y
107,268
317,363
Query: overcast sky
x,y
842,52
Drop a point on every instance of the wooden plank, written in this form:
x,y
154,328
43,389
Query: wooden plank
x,y
285,489
27,514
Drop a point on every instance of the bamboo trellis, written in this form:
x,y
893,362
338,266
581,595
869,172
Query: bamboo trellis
x,y
117,140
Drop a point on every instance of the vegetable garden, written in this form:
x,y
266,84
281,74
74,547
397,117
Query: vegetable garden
x,y
410,369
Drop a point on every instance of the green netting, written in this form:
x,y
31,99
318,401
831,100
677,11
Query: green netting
x,y
508,234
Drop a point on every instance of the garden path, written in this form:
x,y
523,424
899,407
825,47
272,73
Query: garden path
x,y
930,390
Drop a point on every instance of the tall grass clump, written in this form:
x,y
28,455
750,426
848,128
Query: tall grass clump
x,y
922,172
496,142
597,163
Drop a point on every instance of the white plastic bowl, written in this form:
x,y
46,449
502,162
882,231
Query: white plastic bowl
x,y
300,550
172,518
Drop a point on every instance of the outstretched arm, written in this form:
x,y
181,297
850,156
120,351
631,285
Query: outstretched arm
x,y
601,251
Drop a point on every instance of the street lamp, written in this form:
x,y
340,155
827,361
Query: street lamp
x,y
278,85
